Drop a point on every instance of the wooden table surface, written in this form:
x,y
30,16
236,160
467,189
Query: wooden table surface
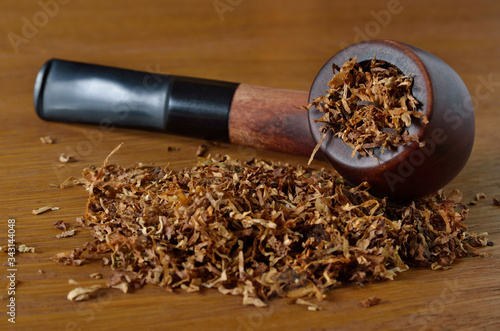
x,y
271,43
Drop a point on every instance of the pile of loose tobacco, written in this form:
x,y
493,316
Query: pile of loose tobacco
x,y
259,229
368,105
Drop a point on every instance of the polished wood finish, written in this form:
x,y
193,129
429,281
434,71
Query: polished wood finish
x,y
270,119
281,44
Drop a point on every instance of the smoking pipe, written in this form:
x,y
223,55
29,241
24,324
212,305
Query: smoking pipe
x,y
270,118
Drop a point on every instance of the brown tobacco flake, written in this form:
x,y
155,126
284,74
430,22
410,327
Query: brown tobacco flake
x,y
71,281
83,293
70,258
477,198
202,150
66,158
259,230
44,209
124,287
496,201
372,301
310,306
47,140
60,225
368,105
68,182
21,248
65,234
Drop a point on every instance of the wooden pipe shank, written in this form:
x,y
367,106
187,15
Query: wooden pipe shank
x,y
270,119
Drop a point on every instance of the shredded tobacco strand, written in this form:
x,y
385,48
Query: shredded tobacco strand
x,y
60,225
44,209
369,302
477,198
368,105
66,158
83,293
47,140
21,248
259,230
202,150
65,234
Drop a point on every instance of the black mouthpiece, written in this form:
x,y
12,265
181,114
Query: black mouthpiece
x,y
86,93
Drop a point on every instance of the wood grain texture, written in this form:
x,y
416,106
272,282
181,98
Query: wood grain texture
x,y
280,44
270,119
